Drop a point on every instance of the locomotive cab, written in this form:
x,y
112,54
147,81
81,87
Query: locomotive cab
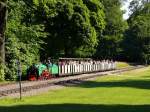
x,y
38,72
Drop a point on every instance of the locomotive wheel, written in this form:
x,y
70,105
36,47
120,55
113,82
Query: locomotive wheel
x,y
32,78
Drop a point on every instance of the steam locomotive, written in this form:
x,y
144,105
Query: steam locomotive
x,y
67,67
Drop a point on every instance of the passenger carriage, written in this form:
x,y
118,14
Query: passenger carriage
x,y
69,66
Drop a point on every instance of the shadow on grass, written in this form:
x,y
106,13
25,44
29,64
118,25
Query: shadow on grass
x,y
76,108
140,84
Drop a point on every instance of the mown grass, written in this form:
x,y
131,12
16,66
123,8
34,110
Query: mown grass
x,y
6,82
122,64
127,92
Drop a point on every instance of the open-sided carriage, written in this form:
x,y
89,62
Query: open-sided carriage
x,y
68,66
73,66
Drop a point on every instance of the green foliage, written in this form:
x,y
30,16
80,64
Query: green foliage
x,y
3,19
2,72
73,26
138,36
109,47
110,43
22,41
37,29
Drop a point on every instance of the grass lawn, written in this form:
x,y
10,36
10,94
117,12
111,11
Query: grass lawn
x,y
127,92
122,64
6,82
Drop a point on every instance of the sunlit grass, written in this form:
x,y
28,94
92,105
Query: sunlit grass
x,y
122,64
6,82
127,92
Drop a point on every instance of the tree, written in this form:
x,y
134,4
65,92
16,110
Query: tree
x,y
73,26
136,5
23,40
138,36
109,43
3,17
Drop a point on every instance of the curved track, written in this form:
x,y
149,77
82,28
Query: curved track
x,y
8,89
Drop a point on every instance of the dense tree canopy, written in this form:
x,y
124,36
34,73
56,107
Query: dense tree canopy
x,y
3,18
138,35
38,29
22,40
109,44
70,23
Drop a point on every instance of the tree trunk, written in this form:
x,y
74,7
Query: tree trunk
x,y
3,18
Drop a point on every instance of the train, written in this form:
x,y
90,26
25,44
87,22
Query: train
x,y
68,67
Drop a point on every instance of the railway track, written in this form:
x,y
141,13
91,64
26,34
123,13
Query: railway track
x,y
8,89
